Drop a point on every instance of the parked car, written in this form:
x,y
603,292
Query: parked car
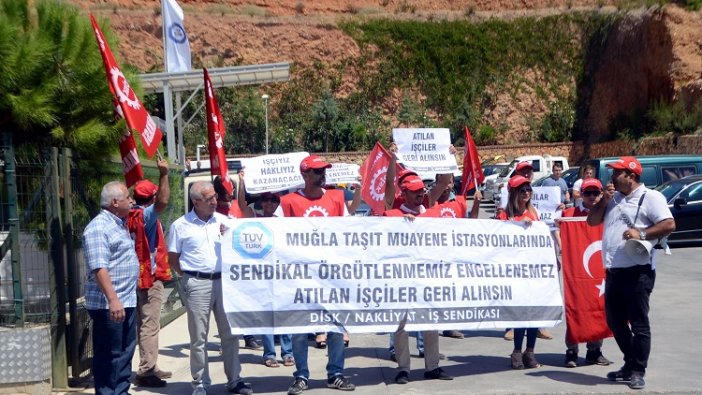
x,y
491,172
684,198
656,169
542,167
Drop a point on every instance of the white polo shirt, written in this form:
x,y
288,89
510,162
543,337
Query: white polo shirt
x,y
198,242
654,209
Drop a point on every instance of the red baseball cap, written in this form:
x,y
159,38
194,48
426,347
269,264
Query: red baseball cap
x,y
523,165
517,181
314,162
412,183
628,163
591,183
404,173
144,189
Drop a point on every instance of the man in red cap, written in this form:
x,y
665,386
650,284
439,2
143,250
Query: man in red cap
x,y
631,213
315,201
147,233
591,191
413,192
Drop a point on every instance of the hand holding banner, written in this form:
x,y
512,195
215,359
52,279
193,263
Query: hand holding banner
x,y
274,173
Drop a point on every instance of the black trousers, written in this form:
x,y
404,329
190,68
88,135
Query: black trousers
x,y
627,293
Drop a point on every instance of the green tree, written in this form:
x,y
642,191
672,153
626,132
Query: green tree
x,y
53,89
323,131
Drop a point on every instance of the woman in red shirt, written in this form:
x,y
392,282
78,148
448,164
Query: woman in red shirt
x,y
519,208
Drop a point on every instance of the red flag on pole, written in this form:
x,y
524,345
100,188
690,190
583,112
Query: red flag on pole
x,y
583,281
472,171
130,157
374,171
215,136
132,110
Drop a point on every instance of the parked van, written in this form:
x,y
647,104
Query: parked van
x,y
656,169
542,167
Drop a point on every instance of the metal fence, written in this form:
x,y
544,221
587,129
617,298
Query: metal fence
x,y
46,200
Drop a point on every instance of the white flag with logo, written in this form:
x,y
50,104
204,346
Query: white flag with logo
x,y
177,44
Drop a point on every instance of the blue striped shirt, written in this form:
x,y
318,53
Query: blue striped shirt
x,y
107,244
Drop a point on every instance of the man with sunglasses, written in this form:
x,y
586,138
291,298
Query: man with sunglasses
x,y
591,191
630,211
194,252
413,192
315,201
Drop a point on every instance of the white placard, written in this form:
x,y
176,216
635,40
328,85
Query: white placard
x,y
273,173
425,151
343,173
544,199
366,274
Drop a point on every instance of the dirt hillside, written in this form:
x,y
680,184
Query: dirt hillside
x,y
654,54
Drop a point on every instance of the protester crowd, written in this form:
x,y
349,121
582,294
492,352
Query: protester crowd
x,y
129,259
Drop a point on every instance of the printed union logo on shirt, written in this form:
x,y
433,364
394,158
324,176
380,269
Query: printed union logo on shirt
x,y
252,240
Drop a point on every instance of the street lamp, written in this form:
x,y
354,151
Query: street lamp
x,y
265,102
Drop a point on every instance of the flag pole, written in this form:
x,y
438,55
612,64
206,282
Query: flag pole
x,y
163,36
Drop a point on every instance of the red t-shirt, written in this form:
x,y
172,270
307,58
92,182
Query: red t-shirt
x,y
456,208
575,211
330,204
527,214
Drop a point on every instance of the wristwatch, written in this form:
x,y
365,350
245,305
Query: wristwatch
x,y
642,234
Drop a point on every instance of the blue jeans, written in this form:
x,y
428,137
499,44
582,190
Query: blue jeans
x,y
530,335
335,350
269,346
113,348
420,342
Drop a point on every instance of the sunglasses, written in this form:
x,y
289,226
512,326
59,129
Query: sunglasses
x,y
319,172
525,190
270,199
591,193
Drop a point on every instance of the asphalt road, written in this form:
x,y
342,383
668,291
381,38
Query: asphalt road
x,y
480,362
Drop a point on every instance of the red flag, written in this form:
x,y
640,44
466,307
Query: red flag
x,y
472,171
583,282
130,157
133,112
374,171
215,136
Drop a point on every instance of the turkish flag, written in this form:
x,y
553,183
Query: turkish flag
x,y
215,136
583,281
132,110
374,170
472,171
131,165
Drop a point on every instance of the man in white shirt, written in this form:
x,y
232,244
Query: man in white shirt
x,y
194,252
632,215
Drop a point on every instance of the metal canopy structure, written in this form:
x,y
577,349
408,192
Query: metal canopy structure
x,y
220,76
186,81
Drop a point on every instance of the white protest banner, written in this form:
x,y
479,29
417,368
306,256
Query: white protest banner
x,y
366,274
425,150
544,199
342,173
273,173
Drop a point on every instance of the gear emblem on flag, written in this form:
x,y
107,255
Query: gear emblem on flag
x,y
377,186
124,91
